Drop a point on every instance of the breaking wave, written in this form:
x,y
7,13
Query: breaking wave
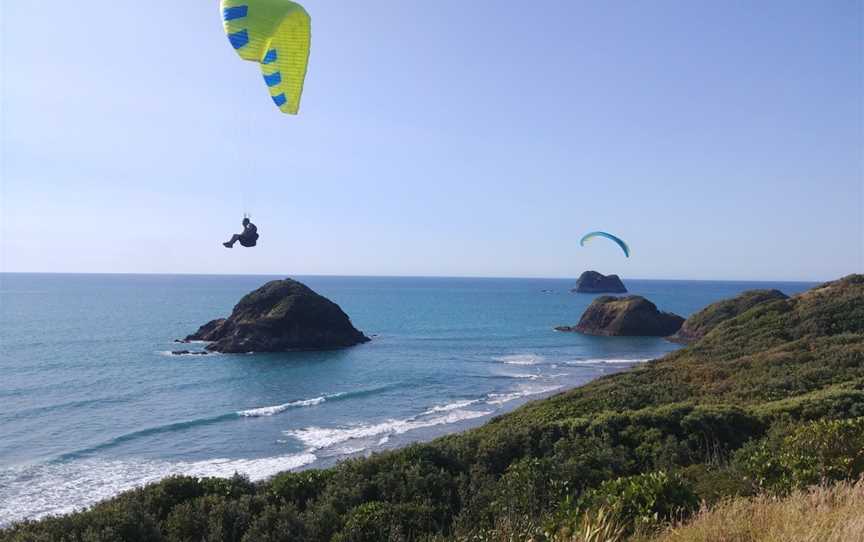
x,y
317,438
452,406
276,409
602,361
521,359
56,488
501,398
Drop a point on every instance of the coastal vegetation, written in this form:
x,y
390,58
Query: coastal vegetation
x,y
820,513
735,429
711,316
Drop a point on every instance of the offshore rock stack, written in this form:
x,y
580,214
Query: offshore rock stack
x,y
282,315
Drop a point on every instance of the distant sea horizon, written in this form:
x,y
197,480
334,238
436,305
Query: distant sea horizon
x,y
408,276
95,403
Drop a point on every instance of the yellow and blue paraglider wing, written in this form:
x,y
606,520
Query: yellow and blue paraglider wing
x,y
284,64
617,240
277,34
250,24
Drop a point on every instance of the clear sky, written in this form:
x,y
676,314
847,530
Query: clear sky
x,y
721,139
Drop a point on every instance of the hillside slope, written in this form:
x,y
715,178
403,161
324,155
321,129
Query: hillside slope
x,y
730,415
698,325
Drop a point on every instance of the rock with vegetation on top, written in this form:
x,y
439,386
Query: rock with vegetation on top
x,y
632,316
699,324
592,282
282,315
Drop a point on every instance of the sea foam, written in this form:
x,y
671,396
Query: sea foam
x,y
603,361
195,354
520,376
56,488
520,359
276,409
317,438
501,398
452,406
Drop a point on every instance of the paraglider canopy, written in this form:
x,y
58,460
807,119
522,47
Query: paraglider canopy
x,y
276,34
604,235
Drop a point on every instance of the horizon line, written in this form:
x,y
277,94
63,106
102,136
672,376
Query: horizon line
x,y
324,275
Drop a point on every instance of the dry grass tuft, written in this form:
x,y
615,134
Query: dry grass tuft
x,y
819,514
599,526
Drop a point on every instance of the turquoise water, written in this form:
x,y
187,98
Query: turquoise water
x,y
93,404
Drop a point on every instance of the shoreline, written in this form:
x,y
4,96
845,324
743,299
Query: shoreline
x,y
142,472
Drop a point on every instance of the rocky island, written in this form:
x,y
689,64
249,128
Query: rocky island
x,y
632,316
282,315
592,282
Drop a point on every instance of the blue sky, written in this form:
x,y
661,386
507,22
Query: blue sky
x,y
722,140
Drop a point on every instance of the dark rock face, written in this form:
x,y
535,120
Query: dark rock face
x,y
207,330
699,324
592,282
280,316
632,316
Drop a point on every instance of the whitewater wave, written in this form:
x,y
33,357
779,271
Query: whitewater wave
x,y
452,406
349,450
277,409
198,422
317,438
191,354
520,376
501,398
604,361
520,359
56,488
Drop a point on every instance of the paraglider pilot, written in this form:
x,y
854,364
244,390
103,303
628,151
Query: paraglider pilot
x,y
249,237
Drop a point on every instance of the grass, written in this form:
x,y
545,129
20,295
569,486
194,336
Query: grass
x,y
817,514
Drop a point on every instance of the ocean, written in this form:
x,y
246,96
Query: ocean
x,y
92,402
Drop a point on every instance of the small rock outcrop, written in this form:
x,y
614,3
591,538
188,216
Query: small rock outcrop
x,y
592,282
698,325
632,316
282,315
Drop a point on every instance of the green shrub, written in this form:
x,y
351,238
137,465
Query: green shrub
x,y
379,522
819,451
826,451
715,482
232,488
213,517
298,488
526,489
108,522
277,523
642,501
162,497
